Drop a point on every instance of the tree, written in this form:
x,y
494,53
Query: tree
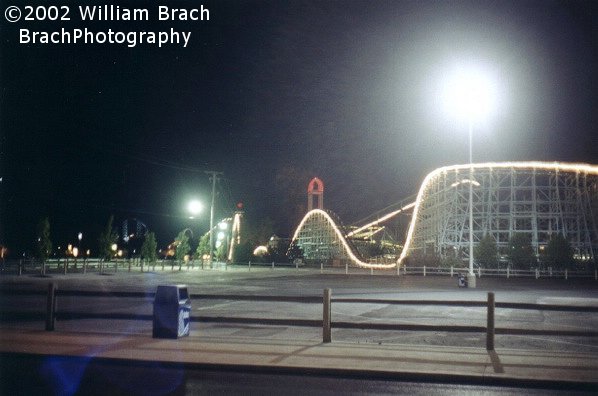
x,y
374,249
243,252
107,238
203,247
182,245
43,245
451,261
521,252
148,249
558,254
486,252
221,252
295,251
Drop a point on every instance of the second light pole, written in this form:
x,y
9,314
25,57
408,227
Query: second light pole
x,y
214,177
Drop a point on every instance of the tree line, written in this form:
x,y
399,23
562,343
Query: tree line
x,y
183,248
557,254
520,255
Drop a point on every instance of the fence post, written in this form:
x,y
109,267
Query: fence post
x,y
451,271
21,267
508,272
129,265
66,264
326,311
51,307
479,272
321,267
272,264
424,270
566,274
249,265
595,274
537,274
346,268
550,271
490,323
398,270
371,270
297,265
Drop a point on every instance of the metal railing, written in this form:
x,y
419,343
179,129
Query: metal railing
x,y
85,265
51,314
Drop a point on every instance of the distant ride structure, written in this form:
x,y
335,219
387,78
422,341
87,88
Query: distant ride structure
x,y
538,199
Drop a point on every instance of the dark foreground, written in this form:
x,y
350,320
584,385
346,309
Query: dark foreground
x,y
48,375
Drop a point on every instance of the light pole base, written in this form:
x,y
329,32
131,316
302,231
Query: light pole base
x,y
471,281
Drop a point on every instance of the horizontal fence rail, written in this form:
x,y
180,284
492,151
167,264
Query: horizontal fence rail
x,y
326,323
95,265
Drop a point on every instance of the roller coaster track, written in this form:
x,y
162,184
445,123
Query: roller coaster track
x,y
351,252
547,166
348,247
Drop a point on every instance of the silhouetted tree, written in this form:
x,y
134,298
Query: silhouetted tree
x,y
203,247
148,249
486,252
243,252
107,238
521,253
295,251
182,245
558,254
43,246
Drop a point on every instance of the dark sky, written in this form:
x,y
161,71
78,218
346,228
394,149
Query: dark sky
x,y
273,93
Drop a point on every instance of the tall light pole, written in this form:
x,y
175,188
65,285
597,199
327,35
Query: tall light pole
x,y
470,94
195,207
214,178
471,281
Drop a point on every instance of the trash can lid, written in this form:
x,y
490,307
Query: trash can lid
x,y
171,293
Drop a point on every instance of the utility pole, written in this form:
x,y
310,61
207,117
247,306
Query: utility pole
x,y
214,178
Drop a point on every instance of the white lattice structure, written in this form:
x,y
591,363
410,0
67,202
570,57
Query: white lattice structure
x,y
321,239
535,198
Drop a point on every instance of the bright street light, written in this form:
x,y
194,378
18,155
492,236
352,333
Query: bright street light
x,y
470,93
195,207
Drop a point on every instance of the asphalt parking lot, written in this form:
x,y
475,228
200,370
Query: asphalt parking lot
x,y
289,282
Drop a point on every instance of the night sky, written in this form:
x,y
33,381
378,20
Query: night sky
x,y
273,93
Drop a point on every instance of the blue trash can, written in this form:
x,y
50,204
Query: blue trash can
x,y
172,312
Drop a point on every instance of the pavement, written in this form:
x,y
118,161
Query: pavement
x,y
253,349
511,367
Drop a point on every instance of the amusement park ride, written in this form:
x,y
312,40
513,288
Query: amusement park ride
x,y
539,199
